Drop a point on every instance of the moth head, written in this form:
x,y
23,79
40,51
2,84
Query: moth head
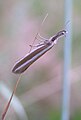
x,y
61,33
58,35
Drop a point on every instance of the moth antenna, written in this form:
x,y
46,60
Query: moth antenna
x,y
65,27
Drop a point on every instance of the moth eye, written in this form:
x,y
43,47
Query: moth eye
x,y
63,33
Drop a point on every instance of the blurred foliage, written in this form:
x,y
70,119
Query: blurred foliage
x,y
37,7
76,115
54,115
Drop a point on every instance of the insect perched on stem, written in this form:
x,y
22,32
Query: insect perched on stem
x,y
40,49
31,57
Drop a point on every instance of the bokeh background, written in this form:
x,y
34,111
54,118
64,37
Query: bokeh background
x,y
39,93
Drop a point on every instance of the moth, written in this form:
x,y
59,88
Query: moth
x,y
30,58
40,49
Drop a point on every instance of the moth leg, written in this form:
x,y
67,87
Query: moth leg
x,y
42,41
37,45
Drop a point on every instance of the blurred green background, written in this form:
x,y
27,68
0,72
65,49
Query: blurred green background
x,y
40,88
